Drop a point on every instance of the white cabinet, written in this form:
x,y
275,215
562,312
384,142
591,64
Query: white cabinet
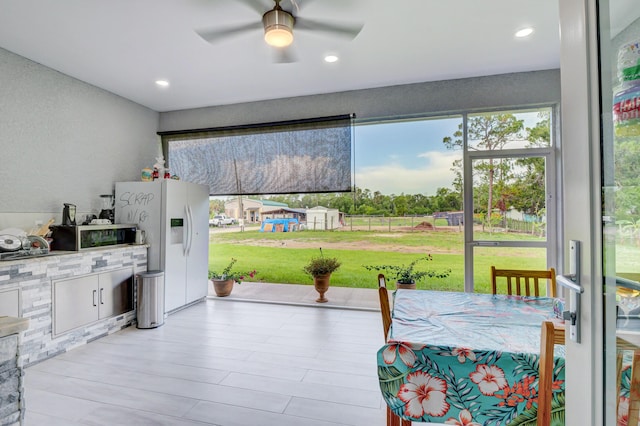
x,y
10,303
88,298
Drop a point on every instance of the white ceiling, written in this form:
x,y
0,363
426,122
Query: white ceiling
x,y
123,46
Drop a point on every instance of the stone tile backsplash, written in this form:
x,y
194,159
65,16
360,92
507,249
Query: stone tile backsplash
x,y
33,278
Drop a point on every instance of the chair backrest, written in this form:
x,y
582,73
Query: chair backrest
x,y
551,334
633,406
385,308
524,282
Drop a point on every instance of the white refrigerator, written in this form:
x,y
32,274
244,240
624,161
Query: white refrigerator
x,y
175,217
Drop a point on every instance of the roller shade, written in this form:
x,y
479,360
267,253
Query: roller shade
x,y
305,156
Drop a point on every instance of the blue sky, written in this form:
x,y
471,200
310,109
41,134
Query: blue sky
x,y
409,156
405,156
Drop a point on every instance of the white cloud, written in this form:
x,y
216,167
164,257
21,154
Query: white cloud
x,y
395,178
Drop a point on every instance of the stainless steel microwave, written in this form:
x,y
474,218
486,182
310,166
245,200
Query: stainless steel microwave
x,y
84,237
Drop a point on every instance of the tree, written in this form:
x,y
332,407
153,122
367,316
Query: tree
x,y
447,200
529,188
456,167
215,206
488,132
401,205
343,202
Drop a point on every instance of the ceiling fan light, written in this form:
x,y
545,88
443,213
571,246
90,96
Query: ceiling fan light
x,y
278,36
278,27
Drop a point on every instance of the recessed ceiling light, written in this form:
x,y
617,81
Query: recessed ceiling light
x,y
162,83
331,58
524,32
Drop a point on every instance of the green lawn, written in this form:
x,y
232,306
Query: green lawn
x,y
279,257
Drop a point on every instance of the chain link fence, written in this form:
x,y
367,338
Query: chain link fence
x,y
395,223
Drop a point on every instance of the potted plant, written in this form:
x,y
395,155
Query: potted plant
x,y
406,276
223,281
320,268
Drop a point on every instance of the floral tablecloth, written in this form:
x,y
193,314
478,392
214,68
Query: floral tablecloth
x,y
467,359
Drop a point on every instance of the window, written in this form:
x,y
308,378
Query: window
x,y
304,156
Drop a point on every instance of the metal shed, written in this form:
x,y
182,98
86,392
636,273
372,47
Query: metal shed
x,y
321,218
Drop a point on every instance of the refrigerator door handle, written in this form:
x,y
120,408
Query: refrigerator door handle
x,y
189,230
185,241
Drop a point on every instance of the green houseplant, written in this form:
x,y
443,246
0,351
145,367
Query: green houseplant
x,y
407,275
223,281
321,268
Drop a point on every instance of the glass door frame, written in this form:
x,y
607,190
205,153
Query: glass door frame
x,y
582,204
552,207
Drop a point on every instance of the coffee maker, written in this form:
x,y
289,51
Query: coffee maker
x,y
107,207
69,214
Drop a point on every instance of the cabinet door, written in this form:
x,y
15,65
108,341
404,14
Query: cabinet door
x,y
75,303
10,303
116,292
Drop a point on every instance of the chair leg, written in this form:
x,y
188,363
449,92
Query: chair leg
x,y
393,420
618,379
634,391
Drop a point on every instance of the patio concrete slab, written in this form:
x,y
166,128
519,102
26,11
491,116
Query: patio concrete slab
x,y
305,295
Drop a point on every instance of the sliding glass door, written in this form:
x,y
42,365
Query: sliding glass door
x,y
510,178
619,29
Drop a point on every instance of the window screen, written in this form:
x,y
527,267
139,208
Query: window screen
x,y
304,156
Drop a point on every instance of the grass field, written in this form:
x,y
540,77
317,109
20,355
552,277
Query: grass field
x,y
279,257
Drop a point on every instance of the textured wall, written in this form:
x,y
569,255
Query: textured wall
x,y
531,88
62,140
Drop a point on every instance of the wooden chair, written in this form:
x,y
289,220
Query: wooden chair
x,y
385,309
633,415
552,334
528,279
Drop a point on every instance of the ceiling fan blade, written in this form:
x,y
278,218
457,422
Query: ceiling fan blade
x,y
295,5
342,30
214,35
298,5
256,5
284,55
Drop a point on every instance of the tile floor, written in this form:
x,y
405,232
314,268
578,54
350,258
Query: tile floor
x,y
220,362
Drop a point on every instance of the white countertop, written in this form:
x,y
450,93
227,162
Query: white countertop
x,y
12,325
55,253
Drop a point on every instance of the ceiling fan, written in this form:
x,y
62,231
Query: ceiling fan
x,y
278,25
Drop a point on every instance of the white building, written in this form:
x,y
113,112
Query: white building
x,y
253,210
322,218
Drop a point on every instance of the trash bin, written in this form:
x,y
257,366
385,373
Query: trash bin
x,y
150,302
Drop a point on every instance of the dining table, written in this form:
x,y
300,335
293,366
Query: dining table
x,y
467,358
